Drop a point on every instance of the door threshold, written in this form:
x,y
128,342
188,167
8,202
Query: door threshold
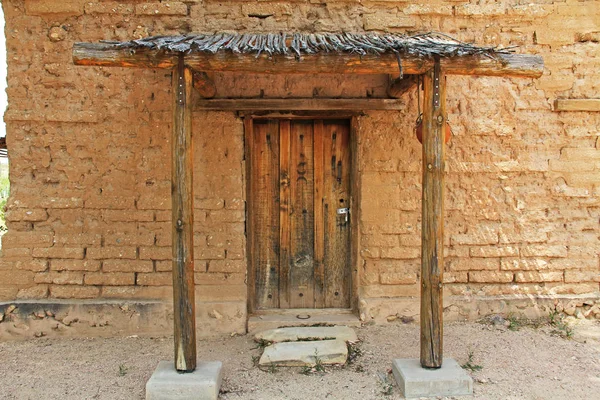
x,y
263,320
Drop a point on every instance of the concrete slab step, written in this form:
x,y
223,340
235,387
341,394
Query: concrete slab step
x,y
285,318
305,333
299,354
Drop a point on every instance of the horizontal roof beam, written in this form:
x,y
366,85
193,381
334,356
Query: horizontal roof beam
x,y
500,64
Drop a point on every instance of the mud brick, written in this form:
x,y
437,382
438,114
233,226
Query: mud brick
x,y
490,277
154,279
100,253
60,277
163,8
127,266
74,292
74,265
534,276
109,278
156,253
59,252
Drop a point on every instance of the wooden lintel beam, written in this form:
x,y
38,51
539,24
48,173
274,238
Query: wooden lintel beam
x,y
182,197
100,54
399,86
312,104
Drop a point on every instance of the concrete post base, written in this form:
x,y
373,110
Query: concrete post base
x,y
415,381
168,384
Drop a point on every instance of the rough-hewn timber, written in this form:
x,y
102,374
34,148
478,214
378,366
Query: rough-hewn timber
x,y
399,86
183,221
432,231
300,104
509,64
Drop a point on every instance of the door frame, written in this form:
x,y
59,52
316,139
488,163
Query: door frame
x,y
248,118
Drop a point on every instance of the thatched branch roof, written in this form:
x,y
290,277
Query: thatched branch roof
x,y
421,45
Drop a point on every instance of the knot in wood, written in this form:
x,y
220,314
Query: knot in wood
x,y
440,120
179,225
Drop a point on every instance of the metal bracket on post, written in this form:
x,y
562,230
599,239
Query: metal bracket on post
x,y
436,83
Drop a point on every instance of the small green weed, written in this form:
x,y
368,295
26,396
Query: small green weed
x,y
514,322
387,387
470,364
319,367
354,352
272,368
561,328
307,370
261,344
123,370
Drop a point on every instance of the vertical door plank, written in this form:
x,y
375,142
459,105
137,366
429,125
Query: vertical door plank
x,y
302,215
319,221
250,229
265,160
336,148
285,208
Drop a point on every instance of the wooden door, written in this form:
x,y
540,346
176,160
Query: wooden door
x,y
299,194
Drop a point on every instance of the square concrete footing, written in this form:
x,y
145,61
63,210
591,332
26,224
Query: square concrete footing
x,y
415,381
168,384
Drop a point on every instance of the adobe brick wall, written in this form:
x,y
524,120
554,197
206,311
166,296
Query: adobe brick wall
x,y
89,152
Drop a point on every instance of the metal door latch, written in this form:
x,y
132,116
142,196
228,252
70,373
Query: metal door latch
x,y
345,212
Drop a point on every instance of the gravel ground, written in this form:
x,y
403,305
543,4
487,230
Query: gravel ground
x,y
530,363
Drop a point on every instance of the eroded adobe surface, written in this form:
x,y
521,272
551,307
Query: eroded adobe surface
x,y
89,214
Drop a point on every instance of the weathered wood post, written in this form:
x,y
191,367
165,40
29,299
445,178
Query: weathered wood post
x,y
432,234
183,220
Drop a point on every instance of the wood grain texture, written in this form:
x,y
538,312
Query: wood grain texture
x,y
432,252
299,177
285,209
300,104
577,105
398,86
265,216
182,197
250,189
301,168
100,54
319,233
336,194
204,85
355,200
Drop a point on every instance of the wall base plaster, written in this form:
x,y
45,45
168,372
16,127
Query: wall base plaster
x,y
106,318
109,318
459,308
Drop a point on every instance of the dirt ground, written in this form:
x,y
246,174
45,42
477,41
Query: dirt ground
x,y
528,363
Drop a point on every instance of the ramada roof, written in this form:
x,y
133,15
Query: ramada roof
x,y
420,45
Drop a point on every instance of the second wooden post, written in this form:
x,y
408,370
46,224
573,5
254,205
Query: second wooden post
x,y
432,234
182,197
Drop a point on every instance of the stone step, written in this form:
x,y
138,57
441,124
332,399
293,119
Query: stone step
x,y
300,354
295,334
280,318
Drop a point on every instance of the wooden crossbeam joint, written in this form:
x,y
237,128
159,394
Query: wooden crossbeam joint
x,y
399,86
205,86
